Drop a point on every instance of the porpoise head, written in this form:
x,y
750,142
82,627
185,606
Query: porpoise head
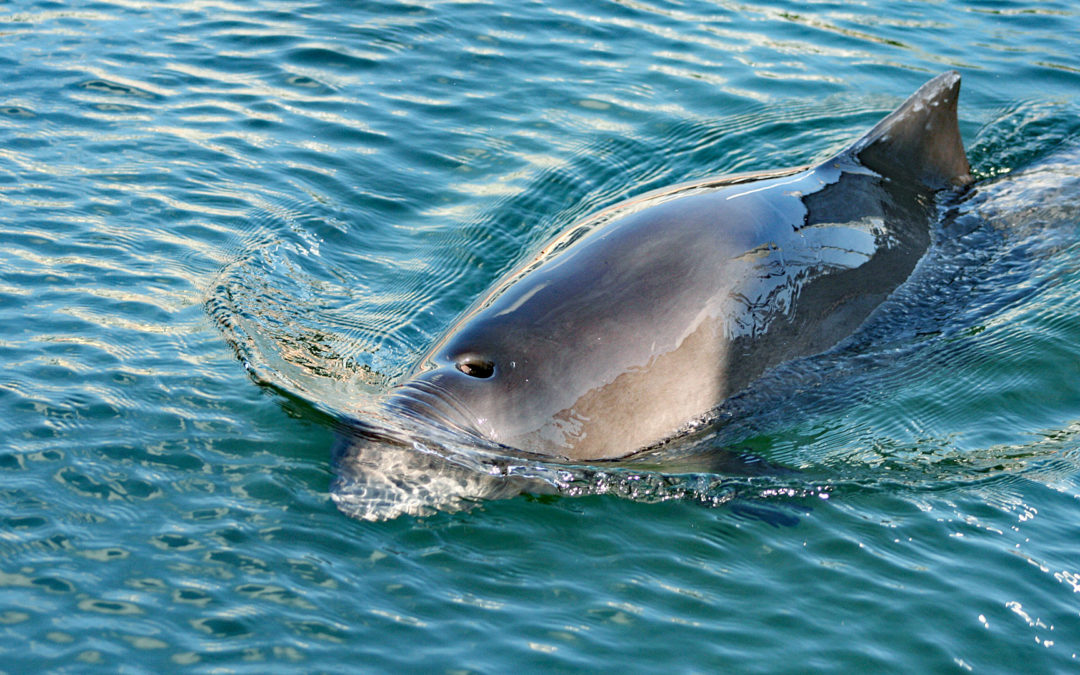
x,y
584,353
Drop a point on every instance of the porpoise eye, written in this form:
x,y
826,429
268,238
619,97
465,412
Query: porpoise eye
x,y
474,366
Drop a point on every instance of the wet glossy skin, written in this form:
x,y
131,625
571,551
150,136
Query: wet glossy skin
x,y
643,318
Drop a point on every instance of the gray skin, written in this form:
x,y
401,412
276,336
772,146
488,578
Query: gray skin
x,y
641,319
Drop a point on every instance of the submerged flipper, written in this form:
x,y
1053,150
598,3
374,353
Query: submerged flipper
x,y
920,140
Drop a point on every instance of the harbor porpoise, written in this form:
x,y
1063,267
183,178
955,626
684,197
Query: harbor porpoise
x,y
641,319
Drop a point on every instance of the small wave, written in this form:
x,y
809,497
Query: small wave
x,y
936,391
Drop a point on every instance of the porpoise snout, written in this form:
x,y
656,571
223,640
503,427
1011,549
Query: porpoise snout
x,y
429,398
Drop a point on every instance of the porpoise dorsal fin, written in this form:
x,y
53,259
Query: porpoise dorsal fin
x,y
920,140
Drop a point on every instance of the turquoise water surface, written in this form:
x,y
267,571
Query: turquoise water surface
x,y
226,227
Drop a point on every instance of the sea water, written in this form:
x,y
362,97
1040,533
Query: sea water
x,y
225,227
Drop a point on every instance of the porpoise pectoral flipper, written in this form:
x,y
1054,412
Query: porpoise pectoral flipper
x,y
644,317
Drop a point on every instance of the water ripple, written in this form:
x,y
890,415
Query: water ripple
x,y
335,183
